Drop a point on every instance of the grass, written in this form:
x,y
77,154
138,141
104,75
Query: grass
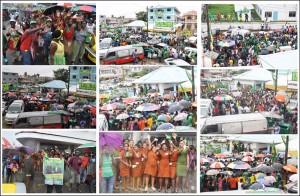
x,y
221,8
254,15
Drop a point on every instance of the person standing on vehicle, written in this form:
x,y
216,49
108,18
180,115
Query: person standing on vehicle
x,y
134,55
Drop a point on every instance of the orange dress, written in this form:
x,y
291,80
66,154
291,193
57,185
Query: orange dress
x,y
124,169
173,161
136,162
130,150
164,164
144,152
151,164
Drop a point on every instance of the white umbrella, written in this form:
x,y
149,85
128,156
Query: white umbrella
x,y
212,172
294,177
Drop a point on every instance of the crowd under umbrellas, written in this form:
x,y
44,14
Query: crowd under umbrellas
x,y
244,48
246,171
154,112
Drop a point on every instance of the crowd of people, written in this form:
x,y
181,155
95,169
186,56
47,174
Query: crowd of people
x,y
55,39
25,167
149,165
254,101
247,48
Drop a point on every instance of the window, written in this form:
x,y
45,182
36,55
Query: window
x,y
169,9
211,129
36,120
74,76
52,119
169,17
159,17
189,18
111,54
74,68
268,14
151,17
151,10
123,53
292,14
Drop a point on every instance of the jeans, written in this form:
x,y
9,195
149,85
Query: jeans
x,y
107,184
26,55
83,174
58,188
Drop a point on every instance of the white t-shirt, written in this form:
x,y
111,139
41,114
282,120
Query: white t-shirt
x,y
240,186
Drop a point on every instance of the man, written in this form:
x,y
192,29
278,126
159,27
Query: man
x,y
75,163
28,170
159,55
47,36
27,42
246,18
48,169
57,170
83,167
142,124
233,183
134,55
14,33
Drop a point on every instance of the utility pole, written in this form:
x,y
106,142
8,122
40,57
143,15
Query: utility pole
x,y
69,81
147,23
208,28
193,84
276,80
285,158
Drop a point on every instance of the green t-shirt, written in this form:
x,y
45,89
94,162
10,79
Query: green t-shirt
x,y
107,167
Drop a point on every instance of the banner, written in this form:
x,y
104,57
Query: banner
x,y
87,86
292,84
294,76
53,170
164,24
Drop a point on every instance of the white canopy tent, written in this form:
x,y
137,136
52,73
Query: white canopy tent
x,y
254,76
136,23
281,60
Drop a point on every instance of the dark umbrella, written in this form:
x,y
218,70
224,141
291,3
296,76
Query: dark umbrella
x,y
184,103
174,108
79,103
26,150
239,173
52,9
266,169
256,186
165,127
277,166
113,140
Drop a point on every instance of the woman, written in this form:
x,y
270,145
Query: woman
x,y
144,151
192,156
106,163
57,50
164,166
151,165
136,171
173,161
125,165
182,165
81,35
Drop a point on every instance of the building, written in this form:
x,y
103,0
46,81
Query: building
x,y
80,73
242,10
164,16
277,12
102,19
9,78
110,72
190,21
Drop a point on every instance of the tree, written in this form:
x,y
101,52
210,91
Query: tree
x,y
142,15
61,74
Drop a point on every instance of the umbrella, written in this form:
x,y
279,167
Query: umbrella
x,y
270,48
266,169
263,181
294,177
166,103
108,107
122,116
212,172
259,175
222,98
220,155
26,150
238,165
260,156
88,145
10,150
238,156
270,179
147,107
136,115
254,169
204,160
247,154
129,100
93,110
230,173
282,155
292,162
11,94
174,108
52,9
70,100
5,143
86,8
71,105
180,116
168,96
113,140
184,103
119,105
280,98
226,43
33,99
256,186
152,91
164,117
277,166
290,168
217,165
79,103
75,109
166,127
248,159
66,5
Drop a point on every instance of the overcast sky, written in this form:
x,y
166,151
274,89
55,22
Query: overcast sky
x,y
46,70
10,136
129,8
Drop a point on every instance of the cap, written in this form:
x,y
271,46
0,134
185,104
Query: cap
x,y
32,22
12,20
49,19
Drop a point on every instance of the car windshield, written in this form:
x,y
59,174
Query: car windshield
x,y
203,112
104,45
13,109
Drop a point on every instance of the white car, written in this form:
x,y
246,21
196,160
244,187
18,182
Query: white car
x,y
172,61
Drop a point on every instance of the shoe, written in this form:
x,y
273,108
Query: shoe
x,y
146,189
153,188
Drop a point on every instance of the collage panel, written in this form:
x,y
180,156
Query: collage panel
x,y
250,35
255,101
148,33
56,97
148,98
55,33
48,162
148,162
247,164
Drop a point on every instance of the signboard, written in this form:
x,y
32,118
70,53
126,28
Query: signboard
x,y
292,84
294,76
8,87
164,24
87,86
53,170
86,92
85,71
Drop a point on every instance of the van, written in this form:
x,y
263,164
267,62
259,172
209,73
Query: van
x,y
122,55
14,110
40,120
104,46
285,48
103,124
235,124
206,108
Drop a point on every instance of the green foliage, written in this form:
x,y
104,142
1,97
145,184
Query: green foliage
x,y
141,73
61,74
142,15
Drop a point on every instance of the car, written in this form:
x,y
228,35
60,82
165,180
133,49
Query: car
x,y
173,61
163,45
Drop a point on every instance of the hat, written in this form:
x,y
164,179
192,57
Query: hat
x,y
49,19
12,20
32,22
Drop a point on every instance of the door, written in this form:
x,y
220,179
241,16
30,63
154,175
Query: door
x,y
275,15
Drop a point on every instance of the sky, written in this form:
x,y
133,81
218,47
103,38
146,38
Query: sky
x,y
31,70
10,136
129,8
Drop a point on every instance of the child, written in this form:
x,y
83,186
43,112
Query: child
x,y
14,169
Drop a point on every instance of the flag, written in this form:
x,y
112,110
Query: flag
x,y
185,95
254,87
273,149
168,137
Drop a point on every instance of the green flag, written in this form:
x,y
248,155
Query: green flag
x,y
185,95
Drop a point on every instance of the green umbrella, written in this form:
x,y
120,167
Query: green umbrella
x,y
88,145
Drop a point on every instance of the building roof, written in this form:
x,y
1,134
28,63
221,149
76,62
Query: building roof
x,y
281,60
57,84
264,139
164,75
255,75
193,12
136,23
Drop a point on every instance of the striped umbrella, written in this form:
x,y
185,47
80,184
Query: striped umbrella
x,y
147,107
226,43
204,160
217,165
260,155
222,98
129,100
122,116
247,154
248,159
238,165
108,107
180,116
230,173
164,117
